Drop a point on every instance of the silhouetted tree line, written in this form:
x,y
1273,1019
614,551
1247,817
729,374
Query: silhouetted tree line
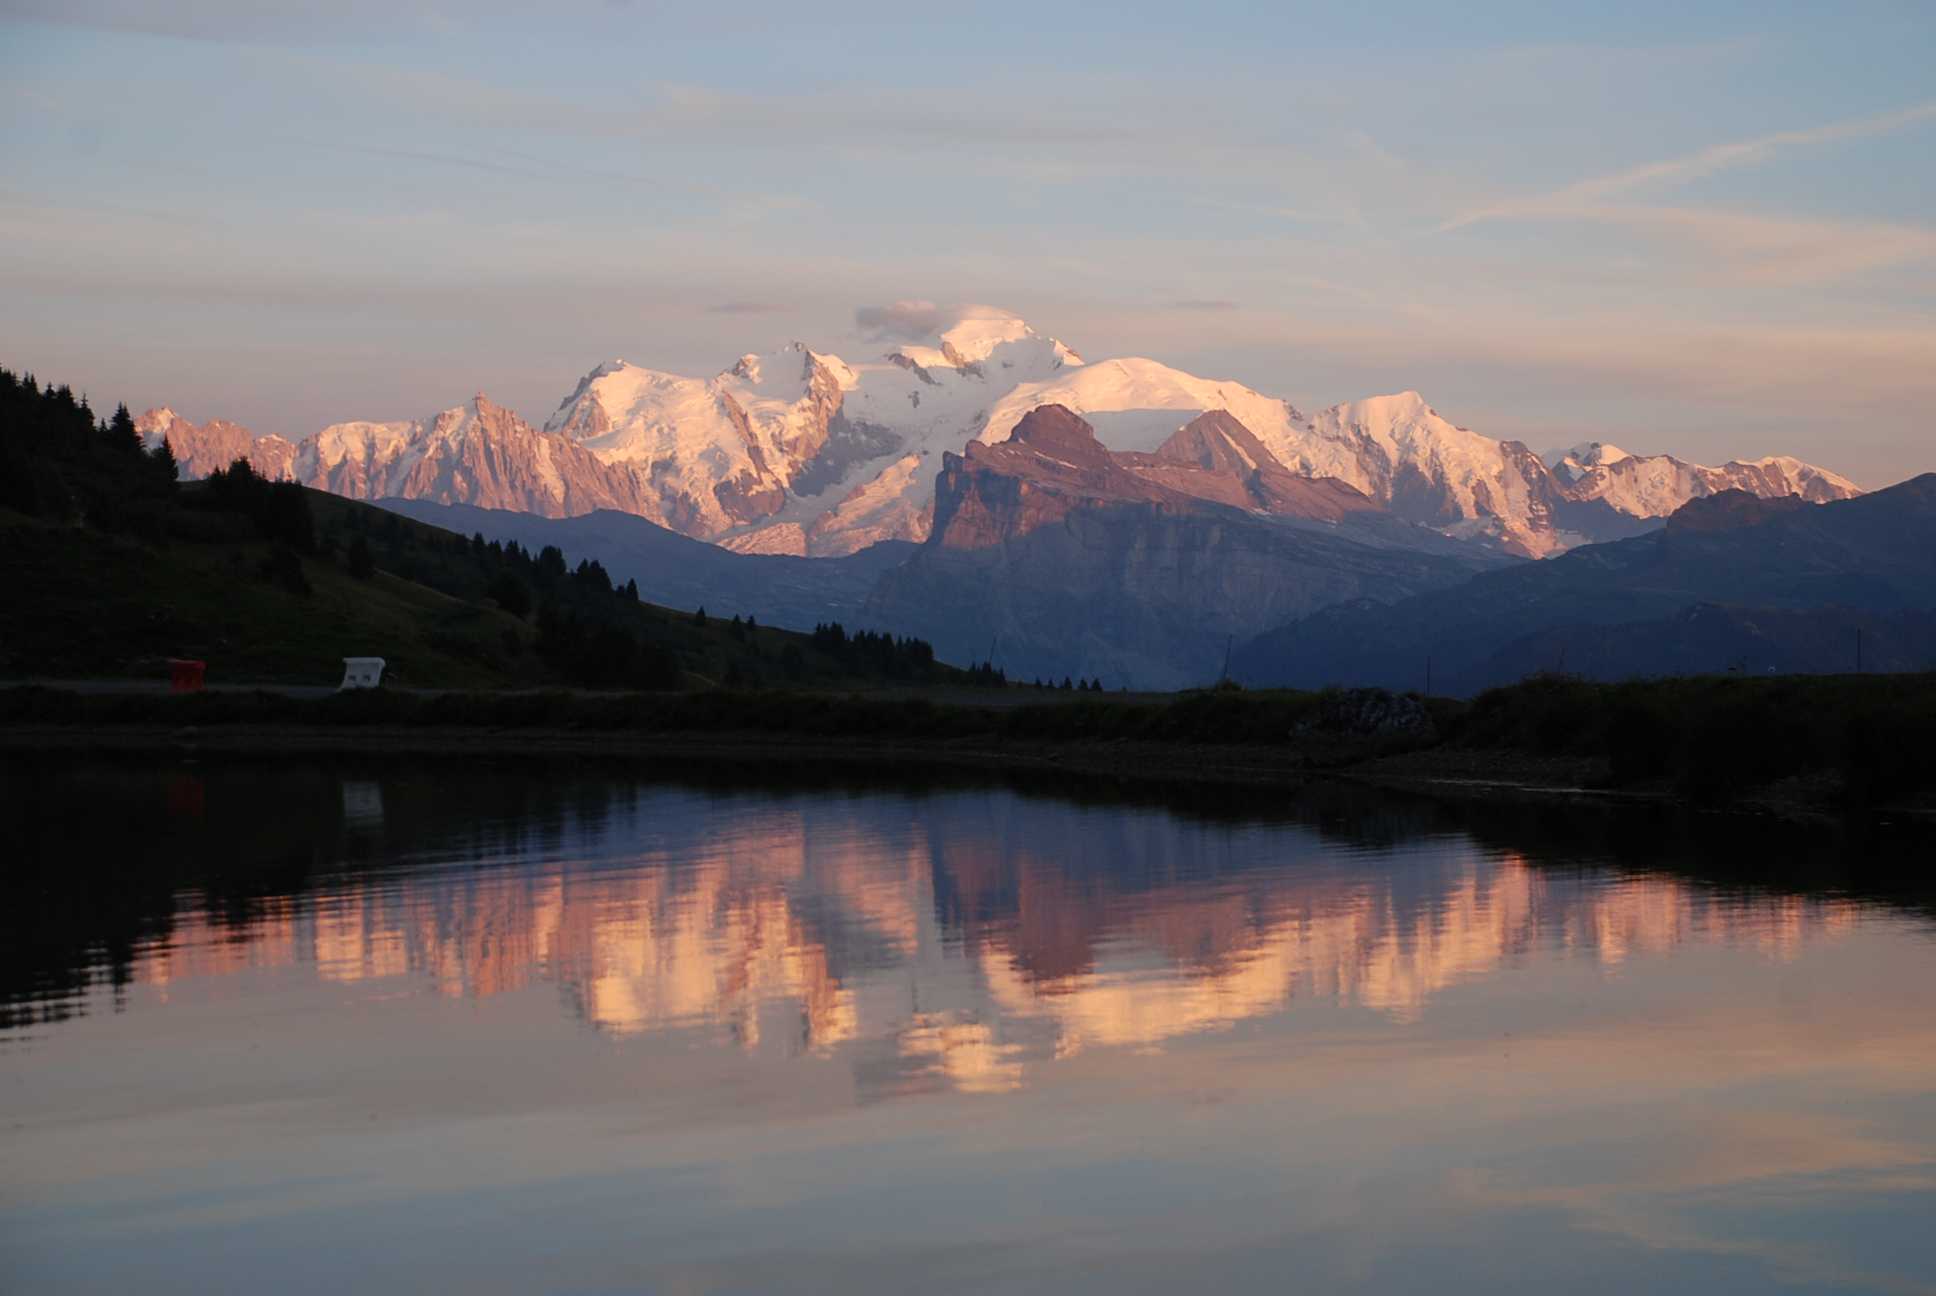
x,y
588,630
59,462
872,651
279,510
1079,686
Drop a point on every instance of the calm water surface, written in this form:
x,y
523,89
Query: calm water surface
x,y
316,1028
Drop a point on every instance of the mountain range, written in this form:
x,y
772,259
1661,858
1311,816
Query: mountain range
x,y
987,488
1733,582
800,452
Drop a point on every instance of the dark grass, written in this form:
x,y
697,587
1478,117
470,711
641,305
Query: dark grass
x,y
1868,740
1201,718
1717,738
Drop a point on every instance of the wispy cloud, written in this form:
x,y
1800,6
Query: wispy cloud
x,y
1777,250
1571,199
907,320
1203,304
745,308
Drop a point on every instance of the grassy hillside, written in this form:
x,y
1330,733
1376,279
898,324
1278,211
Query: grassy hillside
x,y
89,604
112,567
85,603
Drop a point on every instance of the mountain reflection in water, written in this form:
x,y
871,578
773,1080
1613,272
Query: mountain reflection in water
x,y
977,943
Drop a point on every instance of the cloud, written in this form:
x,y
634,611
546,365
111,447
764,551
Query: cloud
x,y
745,308
1569,200
1777,250
904,321
1203,304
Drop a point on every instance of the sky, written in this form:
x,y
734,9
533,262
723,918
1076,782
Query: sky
x,y
1702,232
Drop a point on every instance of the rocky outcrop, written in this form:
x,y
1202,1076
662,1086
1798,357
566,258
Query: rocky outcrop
x,y
1067,559
1052,465
1215,457
1729,510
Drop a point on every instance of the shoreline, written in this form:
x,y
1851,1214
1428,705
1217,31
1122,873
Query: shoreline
x,y
1124,760
1439,773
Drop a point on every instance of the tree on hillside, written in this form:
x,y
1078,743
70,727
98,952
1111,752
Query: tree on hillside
x,y
550,565
167,470
509,593
121,433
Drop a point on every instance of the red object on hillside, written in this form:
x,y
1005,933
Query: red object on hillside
x,y
185,676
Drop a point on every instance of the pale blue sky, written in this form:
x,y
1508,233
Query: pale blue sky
x,y
1708,233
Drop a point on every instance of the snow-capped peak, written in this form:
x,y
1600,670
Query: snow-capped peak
x,y
786,373
981,337
980,330
1575,462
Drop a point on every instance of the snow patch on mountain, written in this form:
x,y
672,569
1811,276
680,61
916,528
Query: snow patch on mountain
x,y
1657,485
1138,404
1575,462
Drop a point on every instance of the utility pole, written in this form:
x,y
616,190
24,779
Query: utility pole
x,y
1228,640
1428,674
1858,650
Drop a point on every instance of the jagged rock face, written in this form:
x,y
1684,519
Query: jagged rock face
x,y
1400,451
1215,457
1076,562
200,449
480,453
1052,465
1656,485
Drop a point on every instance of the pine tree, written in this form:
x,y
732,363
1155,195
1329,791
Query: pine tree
x,y
163,457
121,433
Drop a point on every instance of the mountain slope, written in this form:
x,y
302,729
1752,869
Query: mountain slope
x,y
1732,582
1068,559
677,571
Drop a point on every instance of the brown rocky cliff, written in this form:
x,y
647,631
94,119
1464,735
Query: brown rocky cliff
x,y
1052,465
1215,457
